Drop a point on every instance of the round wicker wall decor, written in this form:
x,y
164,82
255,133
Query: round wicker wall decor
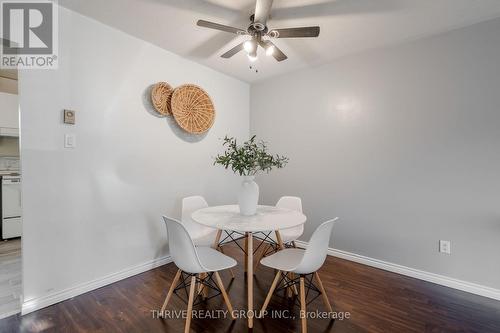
x,y
193,109
161,96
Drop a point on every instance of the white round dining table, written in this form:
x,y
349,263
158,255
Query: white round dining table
x,y
266,219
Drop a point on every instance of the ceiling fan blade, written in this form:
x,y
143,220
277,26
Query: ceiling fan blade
x,y
221,27
233,51
277,53
262,11
295,32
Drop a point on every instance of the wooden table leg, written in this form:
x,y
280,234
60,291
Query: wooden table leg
x,y
250,278
246,251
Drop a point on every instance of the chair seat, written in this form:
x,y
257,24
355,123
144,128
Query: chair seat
x,y
213,260
284,260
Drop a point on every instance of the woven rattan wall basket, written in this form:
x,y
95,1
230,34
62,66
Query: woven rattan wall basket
x,y
193,109
161,96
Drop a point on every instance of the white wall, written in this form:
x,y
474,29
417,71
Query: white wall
x,y
96,209
403,144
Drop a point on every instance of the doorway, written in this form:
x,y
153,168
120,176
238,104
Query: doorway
x,y
10,196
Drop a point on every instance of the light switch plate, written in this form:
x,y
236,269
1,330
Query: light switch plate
x,y
69,141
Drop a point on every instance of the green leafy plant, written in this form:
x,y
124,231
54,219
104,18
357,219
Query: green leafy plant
x,y
249,158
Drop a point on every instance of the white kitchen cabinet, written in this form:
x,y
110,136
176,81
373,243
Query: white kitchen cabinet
x,y
9,114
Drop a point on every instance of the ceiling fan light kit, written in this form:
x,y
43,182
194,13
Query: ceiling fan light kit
x,y
269,50
260,33
250,46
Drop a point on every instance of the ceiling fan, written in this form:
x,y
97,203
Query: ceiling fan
x,y
260,33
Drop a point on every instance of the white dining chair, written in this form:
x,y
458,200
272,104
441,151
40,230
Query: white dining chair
x,y
305,264
288,236
200,234
198,263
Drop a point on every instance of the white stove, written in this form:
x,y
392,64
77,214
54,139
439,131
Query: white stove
x,y
11,206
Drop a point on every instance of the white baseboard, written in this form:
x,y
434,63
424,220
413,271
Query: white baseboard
x,y
8,314
442,280
44,301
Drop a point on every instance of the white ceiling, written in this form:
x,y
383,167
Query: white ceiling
x,y
347,26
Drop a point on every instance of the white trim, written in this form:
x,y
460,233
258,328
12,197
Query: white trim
x,y
10,313
442,280
44,301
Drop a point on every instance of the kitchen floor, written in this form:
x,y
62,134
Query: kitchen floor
x,y
10,277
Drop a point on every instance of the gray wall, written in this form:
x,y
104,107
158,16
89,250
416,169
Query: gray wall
x,y
402,143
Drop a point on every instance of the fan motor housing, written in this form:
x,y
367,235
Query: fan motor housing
x,y
256,27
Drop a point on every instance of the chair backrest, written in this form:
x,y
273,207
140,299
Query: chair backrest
x,y
293,203
316,251
181,247
189,205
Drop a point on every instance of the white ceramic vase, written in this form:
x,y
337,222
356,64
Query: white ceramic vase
x,y
248,196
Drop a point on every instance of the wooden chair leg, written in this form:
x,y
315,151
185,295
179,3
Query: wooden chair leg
x,y
270,293
230,270
190,304
200,286
224,294
289,290
205,289
259,257
323,293
217,239
280,241
171,290
202,289
303,310
294,287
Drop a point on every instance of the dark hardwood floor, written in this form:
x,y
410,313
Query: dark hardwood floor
x,y
378,301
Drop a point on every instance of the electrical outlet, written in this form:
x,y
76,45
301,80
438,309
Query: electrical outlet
x,y
445,246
